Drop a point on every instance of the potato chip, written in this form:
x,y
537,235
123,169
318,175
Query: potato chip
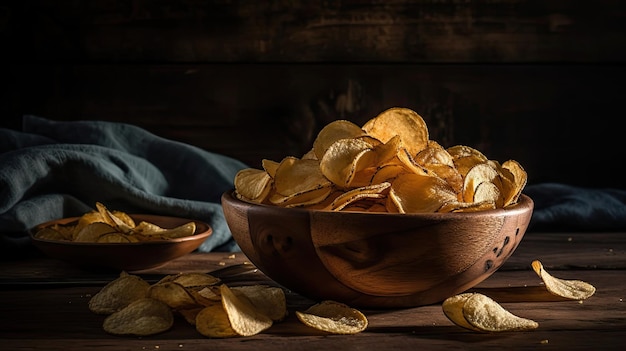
x,y
213,322
142,317
193,280
92,232
484,313
269,300
453,309
403,122
375,191
244,317
123,223
344,159
172,294
116,238
570,289
333,131
118,294
295,176
415,193
50,233
253,184
333,317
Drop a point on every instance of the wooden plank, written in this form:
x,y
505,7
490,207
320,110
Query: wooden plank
x,y
302,31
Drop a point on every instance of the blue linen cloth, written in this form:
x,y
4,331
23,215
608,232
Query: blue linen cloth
x,y
567,208
53,169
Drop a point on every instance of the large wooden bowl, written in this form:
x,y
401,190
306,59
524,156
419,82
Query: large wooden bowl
x,y
376,260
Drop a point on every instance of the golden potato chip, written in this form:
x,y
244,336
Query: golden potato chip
x,y
116,238
453,309
194,280
270,167
296,176
253,184
172,294
344,159
375,191
50,233
269,300
152,231
118,294
142,317
122,224
404,122
479,173
415,193
333,131
333,317
93,231
306,198
190,314
484,313
244,317
570,289
488,192
465,157
516,181
213,322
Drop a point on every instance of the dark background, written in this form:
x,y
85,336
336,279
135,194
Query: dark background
x,y
538,81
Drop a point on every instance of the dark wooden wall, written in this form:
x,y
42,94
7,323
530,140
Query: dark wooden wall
x,y
539,81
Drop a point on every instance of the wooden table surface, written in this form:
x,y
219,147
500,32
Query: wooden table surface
x,y
56,317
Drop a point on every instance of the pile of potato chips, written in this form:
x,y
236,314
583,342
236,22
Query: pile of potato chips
x,y
134,307
105,226
477,312
387,165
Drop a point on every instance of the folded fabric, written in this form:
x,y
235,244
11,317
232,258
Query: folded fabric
x,y
562,207
53,169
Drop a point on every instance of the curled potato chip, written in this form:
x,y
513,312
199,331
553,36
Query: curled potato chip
x,y
333,131
118,294
253,184
333,317
453,309
142,317
403,122
269,300
413,193
570,289
172,294
487,315
92,232
212,321
244,317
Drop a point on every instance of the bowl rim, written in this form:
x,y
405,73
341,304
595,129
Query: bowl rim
x,y
524,203
66,220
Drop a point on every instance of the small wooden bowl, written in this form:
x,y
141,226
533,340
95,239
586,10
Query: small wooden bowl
x,y
123,256
376,260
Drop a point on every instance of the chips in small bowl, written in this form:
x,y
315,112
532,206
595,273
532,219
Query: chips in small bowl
x,y
113,239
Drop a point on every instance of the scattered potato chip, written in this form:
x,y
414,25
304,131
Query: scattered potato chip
x,y
453,309
172,294
213,322
142,317
269,300
389,148
333,317
484,313
118,294
570,289
244,317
